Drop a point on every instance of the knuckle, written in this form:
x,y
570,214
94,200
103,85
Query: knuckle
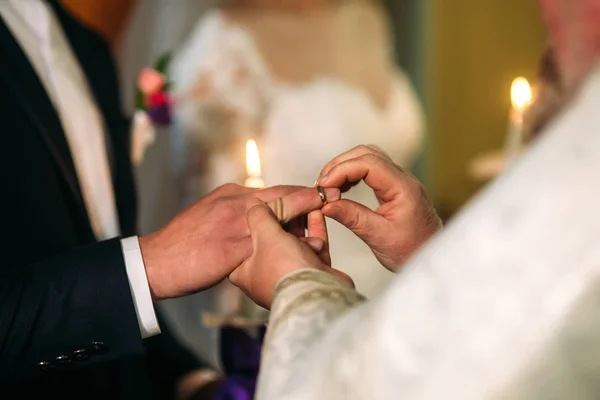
x,y
422,191
418,190
363,148
354,221
380,152
375,148
382,162
371,158
229,208
230,188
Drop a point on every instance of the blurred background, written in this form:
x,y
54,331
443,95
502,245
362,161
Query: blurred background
x,y
461,57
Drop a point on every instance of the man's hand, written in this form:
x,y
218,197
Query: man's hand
x,y
405,218
276,253
206,242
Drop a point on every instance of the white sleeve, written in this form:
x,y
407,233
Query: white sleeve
x,y
140,291
304,338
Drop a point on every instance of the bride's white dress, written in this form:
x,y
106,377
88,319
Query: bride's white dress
x,y
227,95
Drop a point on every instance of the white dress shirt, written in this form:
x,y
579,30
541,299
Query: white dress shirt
x,y
40,35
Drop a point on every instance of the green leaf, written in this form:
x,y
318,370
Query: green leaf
x,y
163,63
139,100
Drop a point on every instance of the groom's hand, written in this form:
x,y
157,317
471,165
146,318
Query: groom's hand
x,y
405,218
206,242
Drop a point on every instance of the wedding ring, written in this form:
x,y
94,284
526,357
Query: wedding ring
x,y
277,208
322,195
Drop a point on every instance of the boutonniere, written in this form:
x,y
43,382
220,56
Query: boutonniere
x,y
153,95
154,107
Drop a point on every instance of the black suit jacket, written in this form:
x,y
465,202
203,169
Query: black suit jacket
x,y
67,321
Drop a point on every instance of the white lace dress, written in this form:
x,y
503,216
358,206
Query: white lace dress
x,y
227,95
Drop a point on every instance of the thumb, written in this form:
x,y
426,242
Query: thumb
x,y
261,220
314,243
361,220
342,276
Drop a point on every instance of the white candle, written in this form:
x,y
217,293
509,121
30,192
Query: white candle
x,y
253,170
520,95
249,310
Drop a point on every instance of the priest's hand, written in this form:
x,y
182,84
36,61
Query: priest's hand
x,y
405,218
202,245
276,252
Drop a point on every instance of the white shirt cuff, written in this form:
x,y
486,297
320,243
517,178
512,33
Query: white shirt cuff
x,y
140,290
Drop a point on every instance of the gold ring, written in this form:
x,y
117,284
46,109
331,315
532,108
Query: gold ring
x,y
322,195
277,208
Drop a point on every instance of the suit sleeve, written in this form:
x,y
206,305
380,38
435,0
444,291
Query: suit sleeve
x,y
66,312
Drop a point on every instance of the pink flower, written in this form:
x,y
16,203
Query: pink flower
x,y
150,81
158,99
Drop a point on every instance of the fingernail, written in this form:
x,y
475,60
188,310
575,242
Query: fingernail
x,y
316,244
316,183
333,194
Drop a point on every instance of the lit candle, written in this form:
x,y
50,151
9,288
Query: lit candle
x,y
520,96
249,310
253,171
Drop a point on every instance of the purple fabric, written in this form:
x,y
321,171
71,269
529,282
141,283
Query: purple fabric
x,y
160,115
240,356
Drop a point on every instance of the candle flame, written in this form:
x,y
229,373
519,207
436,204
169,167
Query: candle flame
x,y
252,159
520,93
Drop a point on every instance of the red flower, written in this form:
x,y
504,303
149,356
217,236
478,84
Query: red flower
x,y
158,99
